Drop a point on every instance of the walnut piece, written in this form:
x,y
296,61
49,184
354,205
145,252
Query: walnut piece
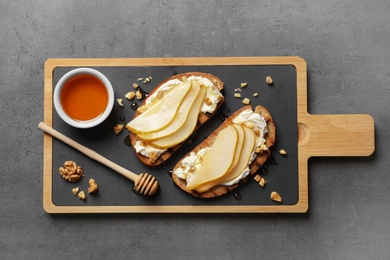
x,y
71,171
160,95
118,128
246,101
135,85
153,157
208,101
282,152
120,102
147,80
244,84
260,180
138,94
81,195
75,191
269,80
237,95
93,187
130,95
276,197
257,178
255,94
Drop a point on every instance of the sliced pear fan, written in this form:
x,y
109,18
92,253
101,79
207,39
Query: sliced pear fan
x,y
180,117
242,157
162,113
217,160
187,128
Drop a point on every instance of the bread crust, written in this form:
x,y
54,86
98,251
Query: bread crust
x,y
260,159
202,118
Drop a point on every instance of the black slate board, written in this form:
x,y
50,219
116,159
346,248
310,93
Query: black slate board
x,y
114,190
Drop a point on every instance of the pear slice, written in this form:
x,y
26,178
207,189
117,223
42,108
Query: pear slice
x,y
243,159
180,117
217,160
187,128
162,113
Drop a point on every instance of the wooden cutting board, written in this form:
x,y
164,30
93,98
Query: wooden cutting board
x,y
318,135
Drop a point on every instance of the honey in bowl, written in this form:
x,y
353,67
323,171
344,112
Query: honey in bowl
x,y
84,97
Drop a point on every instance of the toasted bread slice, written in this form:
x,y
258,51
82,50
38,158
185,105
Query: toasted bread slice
x,y
153,160
261,156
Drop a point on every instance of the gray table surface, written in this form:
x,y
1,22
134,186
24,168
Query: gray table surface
x,y
347,48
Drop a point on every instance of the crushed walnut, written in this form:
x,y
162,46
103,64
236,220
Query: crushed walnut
x,y
118,128
269,80
255,94
81,195
147,80
237,95
246,101
282,152
262,182
93,187
153,157
208,101
160,95
120,102
76,190
259,179
130,95
138,94
244,84
135,85
71,171
276,197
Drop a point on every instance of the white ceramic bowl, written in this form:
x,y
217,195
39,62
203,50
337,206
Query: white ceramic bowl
x,y
87,123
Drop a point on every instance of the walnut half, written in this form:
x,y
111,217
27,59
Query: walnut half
x,y
118,128
81,195
93,187
276,197
71,171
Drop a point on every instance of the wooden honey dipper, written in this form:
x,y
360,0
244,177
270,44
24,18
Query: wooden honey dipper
x,y
144,183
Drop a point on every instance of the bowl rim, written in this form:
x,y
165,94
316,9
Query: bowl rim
x,y
87,123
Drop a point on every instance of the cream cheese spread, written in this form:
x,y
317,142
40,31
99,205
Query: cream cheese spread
x,y
145,150
248,118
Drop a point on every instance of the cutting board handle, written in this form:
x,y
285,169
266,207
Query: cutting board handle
x,y
336,135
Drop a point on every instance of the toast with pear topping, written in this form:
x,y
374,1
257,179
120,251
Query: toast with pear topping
x,y
227,157
171,113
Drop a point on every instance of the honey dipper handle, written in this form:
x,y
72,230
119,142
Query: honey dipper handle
x,y
88,152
